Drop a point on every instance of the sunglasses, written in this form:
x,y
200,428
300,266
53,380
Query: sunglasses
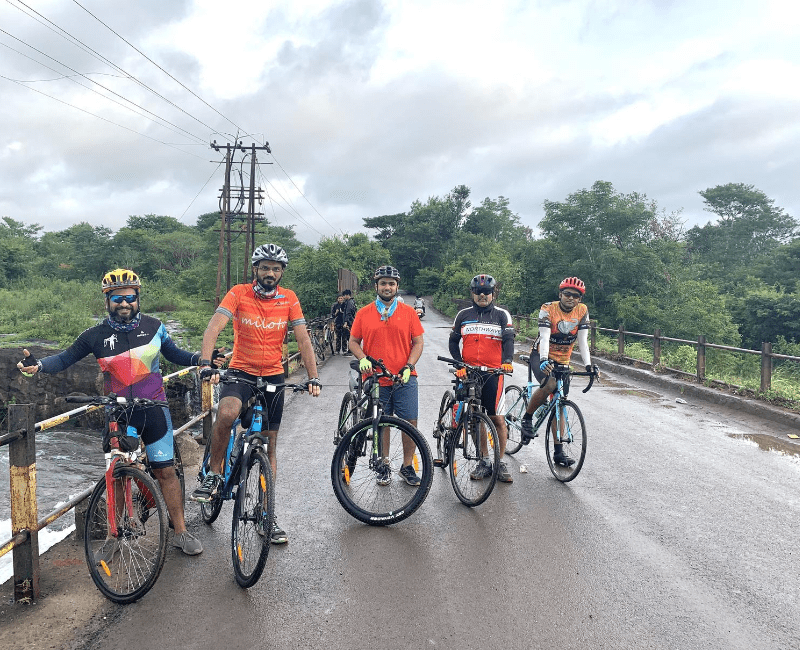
x,y
569,294
129,298
483,290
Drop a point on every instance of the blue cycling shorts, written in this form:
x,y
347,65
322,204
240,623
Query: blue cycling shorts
x,y
153,425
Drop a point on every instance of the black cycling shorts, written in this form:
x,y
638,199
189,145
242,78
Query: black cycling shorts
x,y
154,426
273,413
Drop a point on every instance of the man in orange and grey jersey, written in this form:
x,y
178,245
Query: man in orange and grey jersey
x,y
261,312
486,335
561,324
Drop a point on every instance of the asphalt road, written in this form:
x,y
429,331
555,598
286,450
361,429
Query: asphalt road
x,y
680,532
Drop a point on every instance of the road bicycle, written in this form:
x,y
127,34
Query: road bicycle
x,y
466,438
247,481
365,470
565,423
318,331
126,523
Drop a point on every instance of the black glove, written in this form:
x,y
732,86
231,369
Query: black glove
x,y
29,361
206,373
217,354
315,382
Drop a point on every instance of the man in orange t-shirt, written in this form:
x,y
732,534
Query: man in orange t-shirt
x,y
261,312
390,330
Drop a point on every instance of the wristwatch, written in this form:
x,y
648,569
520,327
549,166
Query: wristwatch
x,y
410,366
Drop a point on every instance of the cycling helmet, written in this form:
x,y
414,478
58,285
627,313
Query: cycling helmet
x,y
387,272
482,281
573,283
120,279
271,252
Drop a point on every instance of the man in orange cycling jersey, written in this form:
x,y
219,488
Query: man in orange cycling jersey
x,y
261,312
561,324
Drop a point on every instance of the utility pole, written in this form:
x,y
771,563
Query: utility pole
x,y
231,211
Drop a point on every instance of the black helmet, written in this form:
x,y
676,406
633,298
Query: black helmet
x,y
271,252
387,272
482,281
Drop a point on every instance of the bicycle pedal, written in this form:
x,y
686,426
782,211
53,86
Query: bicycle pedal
x,y
438,462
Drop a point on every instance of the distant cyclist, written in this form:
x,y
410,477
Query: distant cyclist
x,y
338,315
390,330
261,312
561,324
127,345
486,336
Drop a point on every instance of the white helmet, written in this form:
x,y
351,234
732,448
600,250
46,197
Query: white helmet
x,y
271,252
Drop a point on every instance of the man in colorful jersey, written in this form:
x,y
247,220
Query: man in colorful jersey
x,y
261,312
561,324
127,345
486,335
390,330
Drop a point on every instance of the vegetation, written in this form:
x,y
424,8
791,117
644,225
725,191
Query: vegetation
x,y
734,279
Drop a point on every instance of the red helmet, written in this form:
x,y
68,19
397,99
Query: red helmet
x,y
572,283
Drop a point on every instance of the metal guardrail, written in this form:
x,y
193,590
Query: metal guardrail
x,y
701,345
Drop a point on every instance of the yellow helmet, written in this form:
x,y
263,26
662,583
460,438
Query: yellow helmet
x,y
120,279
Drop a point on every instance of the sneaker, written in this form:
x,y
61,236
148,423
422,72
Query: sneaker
x,y
503,474
481,471
278,534
410,475
528,433
208,489
384,473
562,458
188,543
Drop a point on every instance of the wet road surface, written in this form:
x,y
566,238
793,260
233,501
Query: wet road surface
x,y
680,532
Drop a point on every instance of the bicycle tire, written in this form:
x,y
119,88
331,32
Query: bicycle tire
x,y
354,477
177,463
319,349
465,456
253,515
329,340
516,403
444,423
124,568
348,416
209,511
574,443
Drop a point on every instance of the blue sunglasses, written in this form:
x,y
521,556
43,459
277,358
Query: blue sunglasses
x,y
129,298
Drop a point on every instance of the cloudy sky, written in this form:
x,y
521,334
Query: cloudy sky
x,y
369,105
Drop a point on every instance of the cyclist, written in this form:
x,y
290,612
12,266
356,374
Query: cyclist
x,y
486,335
390,330
337,314
561,324
349,317
127,345
261,312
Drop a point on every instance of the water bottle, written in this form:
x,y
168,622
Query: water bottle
x,y
539,414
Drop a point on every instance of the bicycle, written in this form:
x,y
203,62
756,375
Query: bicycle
x,y
349,414
565,423
329,336
466,436
370,453
248,481
126,522
317,334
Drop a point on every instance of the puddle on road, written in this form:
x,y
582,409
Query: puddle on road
x,y
768,443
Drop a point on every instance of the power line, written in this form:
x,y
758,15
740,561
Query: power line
x,y
201,189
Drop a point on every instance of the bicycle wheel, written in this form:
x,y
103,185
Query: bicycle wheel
x,y
329,340
516,403
348,416
124,567
209,511
443,424
177,463
573,440
354,473
472,480
319,349
253,514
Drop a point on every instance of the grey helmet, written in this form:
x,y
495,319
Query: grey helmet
x,y
387,272
271,252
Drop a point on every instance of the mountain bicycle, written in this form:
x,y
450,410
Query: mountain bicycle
x,y
466,437
365,470
248,481
329,336
126,524
349,412
565,423
317,331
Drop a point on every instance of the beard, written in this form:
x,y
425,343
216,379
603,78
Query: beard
x,y
268,284
124,320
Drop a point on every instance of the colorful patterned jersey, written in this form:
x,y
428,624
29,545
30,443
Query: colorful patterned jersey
x,y
129,360
486,335
563,327
259,327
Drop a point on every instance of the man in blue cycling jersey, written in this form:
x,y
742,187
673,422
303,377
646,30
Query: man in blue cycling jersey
x,y
127,345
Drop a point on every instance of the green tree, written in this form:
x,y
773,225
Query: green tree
x,y
17,243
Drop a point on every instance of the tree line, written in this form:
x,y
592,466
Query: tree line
x,y
734,279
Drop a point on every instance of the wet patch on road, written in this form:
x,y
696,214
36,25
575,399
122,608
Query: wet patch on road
x,y
768,443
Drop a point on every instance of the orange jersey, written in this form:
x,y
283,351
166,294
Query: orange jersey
x,y
563,327
389,340
259,327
